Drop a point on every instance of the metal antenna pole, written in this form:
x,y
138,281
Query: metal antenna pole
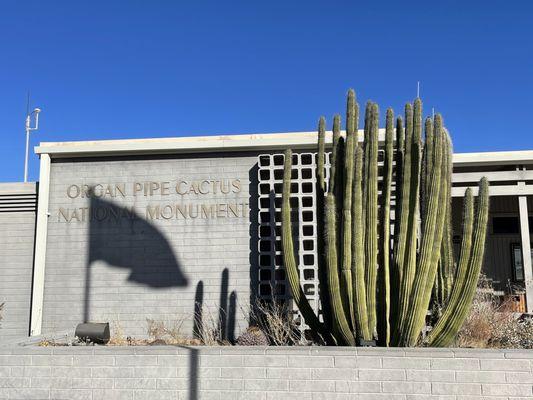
x,y
418,89
35,112
27,137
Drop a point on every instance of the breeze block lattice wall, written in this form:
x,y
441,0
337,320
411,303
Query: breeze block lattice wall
x,y
272,283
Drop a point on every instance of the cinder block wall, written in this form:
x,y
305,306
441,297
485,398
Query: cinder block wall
x,y
148,268
273,373
17,232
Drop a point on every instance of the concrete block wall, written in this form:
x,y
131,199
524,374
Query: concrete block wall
x,y
272,373
146,268
17,232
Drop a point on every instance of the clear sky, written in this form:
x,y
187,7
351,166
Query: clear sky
x,y
132,69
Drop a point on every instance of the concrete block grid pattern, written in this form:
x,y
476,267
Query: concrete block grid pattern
x,y
272,373
272,282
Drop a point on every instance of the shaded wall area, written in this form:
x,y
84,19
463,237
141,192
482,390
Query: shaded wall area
x,y
143,235
17,234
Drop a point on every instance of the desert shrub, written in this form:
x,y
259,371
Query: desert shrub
x,y
165,332
491,323
513,332
277,322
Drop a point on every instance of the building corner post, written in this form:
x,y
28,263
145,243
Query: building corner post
x,y
526,251
41,233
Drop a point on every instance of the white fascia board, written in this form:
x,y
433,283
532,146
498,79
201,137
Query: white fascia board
x,y
492,158
12,188
253,142
199,144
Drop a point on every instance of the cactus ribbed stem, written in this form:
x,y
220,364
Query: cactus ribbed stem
x,y
289,259
404,224
447,246
352,116
464,287
358,250
341,328
371,226
395,271
384,254
427,164
320,199
430,244
334,152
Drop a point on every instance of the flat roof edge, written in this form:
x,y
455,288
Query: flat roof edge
x,y
243,142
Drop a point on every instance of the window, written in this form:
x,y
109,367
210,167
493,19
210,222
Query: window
x,y
518,262
508,225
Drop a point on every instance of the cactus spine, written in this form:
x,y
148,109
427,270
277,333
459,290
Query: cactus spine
x,y
367,286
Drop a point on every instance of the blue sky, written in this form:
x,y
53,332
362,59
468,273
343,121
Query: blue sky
x,y
132,69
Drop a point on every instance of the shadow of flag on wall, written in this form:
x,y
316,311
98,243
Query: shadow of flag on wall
x,y
122,238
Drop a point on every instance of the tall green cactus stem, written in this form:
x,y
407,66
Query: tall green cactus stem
x,y
320,199
404,224
430,241
358,251
352,116
384,254
341,328
371,225
425,181
395,272
469,267
366,135
321,155
427,163
447,258
334,152
289,260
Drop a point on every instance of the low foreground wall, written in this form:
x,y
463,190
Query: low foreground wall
x,y
300,373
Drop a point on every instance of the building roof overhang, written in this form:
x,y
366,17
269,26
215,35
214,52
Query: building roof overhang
x,y
242,142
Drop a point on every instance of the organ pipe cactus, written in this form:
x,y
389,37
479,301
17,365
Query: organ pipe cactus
x,y
375,285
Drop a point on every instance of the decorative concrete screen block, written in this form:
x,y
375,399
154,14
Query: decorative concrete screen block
x,y
272,283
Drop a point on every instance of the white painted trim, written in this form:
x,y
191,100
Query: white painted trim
x,y
40,247
493,176
11,188
259,142
526,251
253,142
507,190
